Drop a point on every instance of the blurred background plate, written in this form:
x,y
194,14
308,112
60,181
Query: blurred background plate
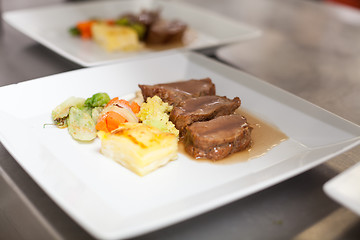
x,y
49,26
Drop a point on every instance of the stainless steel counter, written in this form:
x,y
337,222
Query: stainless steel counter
x,y
307,48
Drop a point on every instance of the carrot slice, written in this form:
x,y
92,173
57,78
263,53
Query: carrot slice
x,y
85,35
113,120
122,101
101,124
85,29
110,22
135,107
112,101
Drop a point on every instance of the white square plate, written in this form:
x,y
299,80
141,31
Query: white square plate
x,y
345,189
111,202
49,26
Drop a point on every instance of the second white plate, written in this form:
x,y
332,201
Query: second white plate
x,y
49,26
345,189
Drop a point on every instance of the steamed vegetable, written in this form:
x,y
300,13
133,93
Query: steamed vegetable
x,y
80,115
95,113
74,31
84,28
117,111
97,100
61,112
156,113
80,125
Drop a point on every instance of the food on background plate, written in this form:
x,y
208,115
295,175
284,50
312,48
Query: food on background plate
x,y
165,32
131,32
139,147
115,38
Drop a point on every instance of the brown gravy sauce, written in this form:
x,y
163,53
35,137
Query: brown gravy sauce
x,y
162,47
264,137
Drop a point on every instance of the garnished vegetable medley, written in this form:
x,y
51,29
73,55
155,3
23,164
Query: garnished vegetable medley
x,y
84,30
84,117
80,115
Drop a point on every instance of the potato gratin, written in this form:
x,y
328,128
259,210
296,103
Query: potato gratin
x,y
139,147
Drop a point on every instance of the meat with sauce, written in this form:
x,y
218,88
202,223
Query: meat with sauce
x,y
165,32
202,108
175,92
217,138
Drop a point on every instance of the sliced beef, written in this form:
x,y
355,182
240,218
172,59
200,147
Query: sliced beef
x,y
145,17
217,138
202,108
165,32
148,18
175,92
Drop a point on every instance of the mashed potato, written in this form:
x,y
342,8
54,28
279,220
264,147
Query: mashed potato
x,y
156,113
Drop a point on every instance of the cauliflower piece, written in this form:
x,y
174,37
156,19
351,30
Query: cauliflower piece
x,y
154,112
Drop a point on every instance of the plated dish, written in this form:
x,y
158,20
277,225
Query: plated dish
x,y
344,188
131,32
144,133
48,26
108,200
